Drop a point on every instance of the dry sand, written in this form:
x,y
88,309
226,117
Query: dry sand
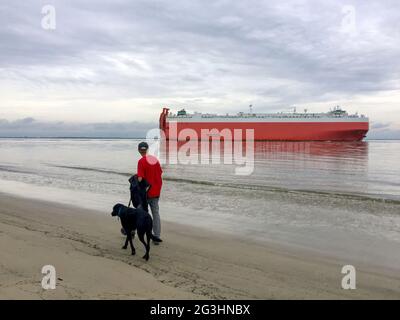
x,y
85,248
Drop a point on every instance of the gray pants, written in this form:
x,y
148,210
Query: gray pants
x,y
155,212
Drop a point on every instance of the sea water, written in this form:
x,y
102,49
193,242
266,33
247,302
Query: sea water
x,y
318,195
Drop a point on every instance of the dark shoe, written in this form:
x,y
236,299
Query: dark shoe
x,y
156,243
156,239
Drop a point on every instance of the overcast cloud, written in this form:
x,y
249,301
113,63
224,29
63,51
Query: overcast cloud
x,y
114,63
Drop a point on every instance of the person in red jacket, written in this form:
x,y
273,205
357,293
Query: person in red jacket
x,y
149,168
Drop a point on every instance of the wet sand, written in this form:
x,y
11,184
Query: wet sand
x,y
192,263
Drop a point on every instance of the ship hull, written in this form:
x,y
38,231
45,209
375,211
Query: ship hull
x,y
263,128
270,131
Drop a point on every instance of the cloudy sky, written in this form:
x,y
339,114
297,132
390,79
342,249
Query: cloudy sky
x,y
109,67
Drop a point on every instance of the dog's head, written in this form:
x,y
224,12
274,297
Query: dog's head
x,y
116,209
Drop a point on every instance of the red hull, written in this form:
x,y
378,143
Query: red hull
x,y
275,131
305,131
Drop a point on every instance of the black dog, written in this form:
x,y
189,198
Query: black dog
x,y
135,219
139,192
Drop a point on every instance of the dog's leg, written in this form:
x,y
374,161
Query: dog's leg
x,y
126,243
132,247
141,238
148,236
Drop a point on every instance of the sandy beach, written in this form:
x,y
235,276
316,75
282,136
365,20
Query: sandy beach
x,y
85,248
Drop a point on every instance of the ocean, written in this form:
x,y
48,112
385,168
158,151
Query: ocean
x,y
369,169
318,195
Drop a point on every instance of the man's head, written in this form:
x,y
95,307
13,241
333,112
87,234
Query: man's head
x,y
143,147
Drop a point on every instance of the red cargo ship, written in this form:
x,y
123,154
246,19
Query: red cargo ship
x,y
335,125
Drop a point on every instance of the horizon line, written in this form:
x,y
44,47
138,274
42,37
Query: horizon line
x,y
126,138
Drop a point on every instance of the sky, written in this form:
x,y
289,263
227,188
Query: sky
x,y
106,68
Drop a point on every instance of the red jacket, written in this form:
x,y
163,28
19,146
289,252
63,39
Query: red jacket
x,y
149,168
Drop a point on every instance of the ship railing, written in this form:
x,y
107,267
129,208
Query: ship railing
x,y
274,116
175,116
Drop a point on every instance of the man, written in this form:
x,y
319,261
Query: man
x,y
149,168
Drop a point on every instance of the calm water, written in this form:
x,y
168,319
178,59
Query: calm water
x,y
280,201
367,168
